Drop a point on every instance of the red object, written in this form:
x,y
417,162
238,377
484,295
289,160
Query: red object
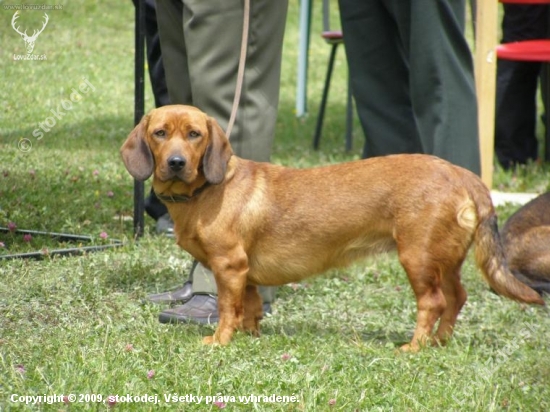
x,y
526,1
332,35
526,50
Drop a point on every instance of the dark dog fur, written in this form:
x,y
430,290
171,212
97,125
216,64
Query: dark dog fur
x,y
526,238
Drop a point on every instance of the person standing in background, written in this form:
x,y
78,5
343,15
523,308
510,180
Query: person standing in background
x,y
517,81
201,42
412,78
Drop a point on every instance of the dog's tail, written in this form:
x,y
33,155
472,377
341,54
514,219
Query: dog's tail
x,y
490,256
540,285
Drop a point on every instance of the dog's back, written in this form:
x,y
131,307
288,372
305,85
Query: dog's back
x,y
526,238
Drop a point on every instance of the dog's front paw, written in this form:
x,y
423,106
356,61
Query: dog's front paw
x,y
410,348
208,340
252,327
217,339
253,331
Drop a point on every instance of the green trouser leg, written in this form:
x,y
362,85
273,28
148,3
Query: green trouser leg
x,y
412,78
204,282
201,42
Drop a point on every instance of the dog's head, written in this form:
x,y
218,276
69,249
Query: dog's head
x,y
177,143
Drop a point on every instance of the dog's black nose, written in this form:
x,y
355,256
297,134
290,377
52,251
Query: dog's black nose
x,y
176,163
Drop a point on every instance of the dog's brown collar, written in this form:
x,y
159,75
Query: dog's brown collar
x,y
182,198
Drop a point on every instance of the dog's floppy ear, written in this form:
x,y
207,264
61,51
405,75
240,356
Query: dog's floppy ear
x,y
136,154
217,153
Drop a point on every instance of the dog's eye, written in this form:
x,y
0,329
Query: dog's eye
x,y
193,134
159,133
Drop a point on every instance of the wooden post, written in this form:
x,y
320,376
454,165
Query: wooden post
x,y
485,62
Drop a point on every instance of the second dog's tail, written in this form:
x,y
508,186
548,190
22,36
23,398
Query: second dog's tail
x,y
491,259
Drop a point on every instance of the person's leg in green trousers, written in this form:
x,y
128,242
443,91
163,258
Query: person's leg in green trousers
x,y
201,42
412,78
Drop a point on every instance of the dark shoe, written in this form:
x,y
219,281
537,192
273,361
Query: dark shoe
x,y
200,309
178,296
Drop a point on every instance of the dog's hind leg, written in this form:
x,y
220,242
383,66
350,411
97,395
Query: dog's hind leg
x,y
455,297
425,280
253,310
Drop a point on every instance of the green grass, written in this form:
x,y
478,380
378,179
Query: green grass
x,y
79,325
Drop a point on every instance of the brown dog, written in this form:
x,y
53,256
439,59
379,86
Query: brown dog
x,y
526,238
260,224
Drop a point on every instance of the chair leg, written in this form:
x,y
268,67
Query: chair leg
x,y
546,108
349,119
321,115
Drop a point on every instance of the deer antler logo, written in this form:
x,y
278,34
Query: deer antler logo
x,y
29,40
